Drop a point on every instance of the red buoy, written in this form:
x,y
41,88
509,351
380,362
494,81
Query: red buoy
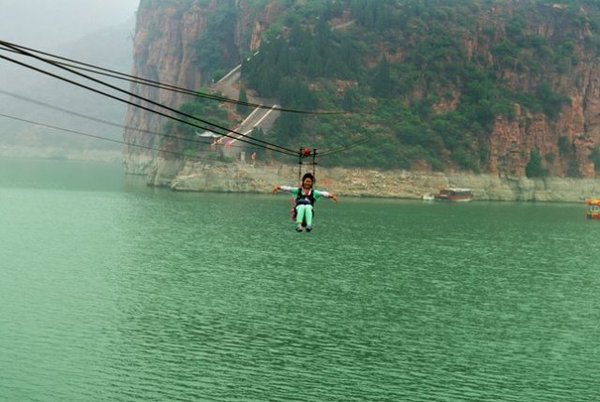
x,y
306,152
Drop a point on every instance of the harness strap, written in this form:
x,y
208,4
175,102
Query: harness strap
x,y
305,199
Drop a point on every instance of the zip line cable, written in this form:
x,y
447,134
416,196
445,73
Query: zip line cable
x,y
144,81
191,140
246,139
105,94
197,141
39,103
343,148
47,105
37,123
18,50
88,135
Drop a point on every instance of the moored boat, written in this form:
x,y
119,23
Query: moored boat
x,y
593,211
454,194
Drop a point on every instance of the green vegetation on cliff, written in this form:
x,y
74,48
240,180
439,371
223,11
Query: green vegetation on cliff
x,y
414,75
428,82
189,143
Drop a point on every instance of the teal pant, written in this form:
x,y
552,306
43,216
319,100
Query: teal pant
x,y
304,212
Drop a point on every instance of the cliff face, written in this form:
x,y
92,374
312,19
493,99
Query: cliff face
x,y
167,49
163,51
566,141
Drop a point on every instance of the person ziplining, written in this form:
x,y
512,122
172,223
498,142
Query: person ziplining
x,y
305,195
305,198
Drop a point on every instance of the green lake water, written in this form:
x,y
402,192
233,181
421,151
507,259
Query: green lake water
x,y
113,291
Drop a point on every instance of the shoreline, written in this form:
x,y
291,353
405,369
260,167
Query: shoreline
x,y
368,183
219,177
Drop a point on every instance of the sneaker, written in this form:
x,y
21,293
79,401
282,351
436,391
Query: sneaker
x,y
308,228
299,228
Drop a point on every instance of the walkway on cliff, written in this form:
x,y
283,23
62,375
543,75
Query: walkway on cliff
x,y
262,118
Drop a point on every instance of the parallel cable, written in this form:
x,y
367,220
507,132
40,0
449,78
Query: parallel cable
x,y
37,123
343,148
88,135
108,123
70,112
247,139
144,81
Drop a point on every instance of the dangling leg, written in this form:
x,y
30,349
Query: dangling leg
x,y
300,210
309,216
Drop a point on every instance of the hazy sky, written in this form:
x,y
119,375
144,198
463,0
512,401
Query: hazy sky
x,y
48,23
63,27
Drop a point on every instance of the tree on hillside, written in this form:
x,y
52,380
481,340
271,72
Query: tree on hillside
x,y
535,168
382,83
595,157
242,109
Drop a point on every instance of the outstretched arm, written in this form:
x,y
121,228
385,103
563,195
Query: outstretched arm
x,y
327,194
286,189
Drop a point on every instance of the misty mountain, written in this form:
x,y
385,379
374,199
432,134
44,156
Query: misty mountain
x,y
110,48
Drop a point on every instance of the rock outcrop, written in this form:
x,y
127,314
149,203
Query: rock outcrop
x,y
163,51
166,49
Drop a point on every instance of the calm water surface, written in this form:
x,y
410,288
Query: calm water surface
x,y
112,291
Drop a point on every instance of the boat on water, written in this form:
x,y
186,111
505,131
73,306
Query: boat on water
x,y
593,211
454,194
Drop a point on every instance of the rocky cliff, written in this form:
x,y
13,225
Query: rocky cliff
x,y
566,141
170,35
169,42
163,51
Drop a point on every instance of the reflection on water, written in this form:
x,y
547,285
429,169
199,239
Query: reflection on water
x,y
126,293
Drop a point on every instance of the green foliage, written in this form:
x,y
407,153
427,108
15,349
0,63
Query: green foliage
x,y
190,153
243,110
404,72
352,100
595,157
573,169
544,100
289,126
218,74
216,45
303,54
295,94
382,86
202,110
535,166
551,102
565,148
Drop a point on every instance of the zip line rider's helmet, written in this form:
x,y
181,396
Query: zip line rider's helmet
x,y
308,176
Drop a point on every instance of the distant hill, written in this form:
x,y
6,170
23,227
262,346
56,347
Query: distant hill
x,y
111,48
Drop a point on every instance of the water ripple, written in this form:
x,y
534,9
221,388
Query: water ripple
x,y
158,296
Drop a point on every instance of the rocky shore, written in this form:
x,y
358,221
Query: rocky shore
x,y
232,177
